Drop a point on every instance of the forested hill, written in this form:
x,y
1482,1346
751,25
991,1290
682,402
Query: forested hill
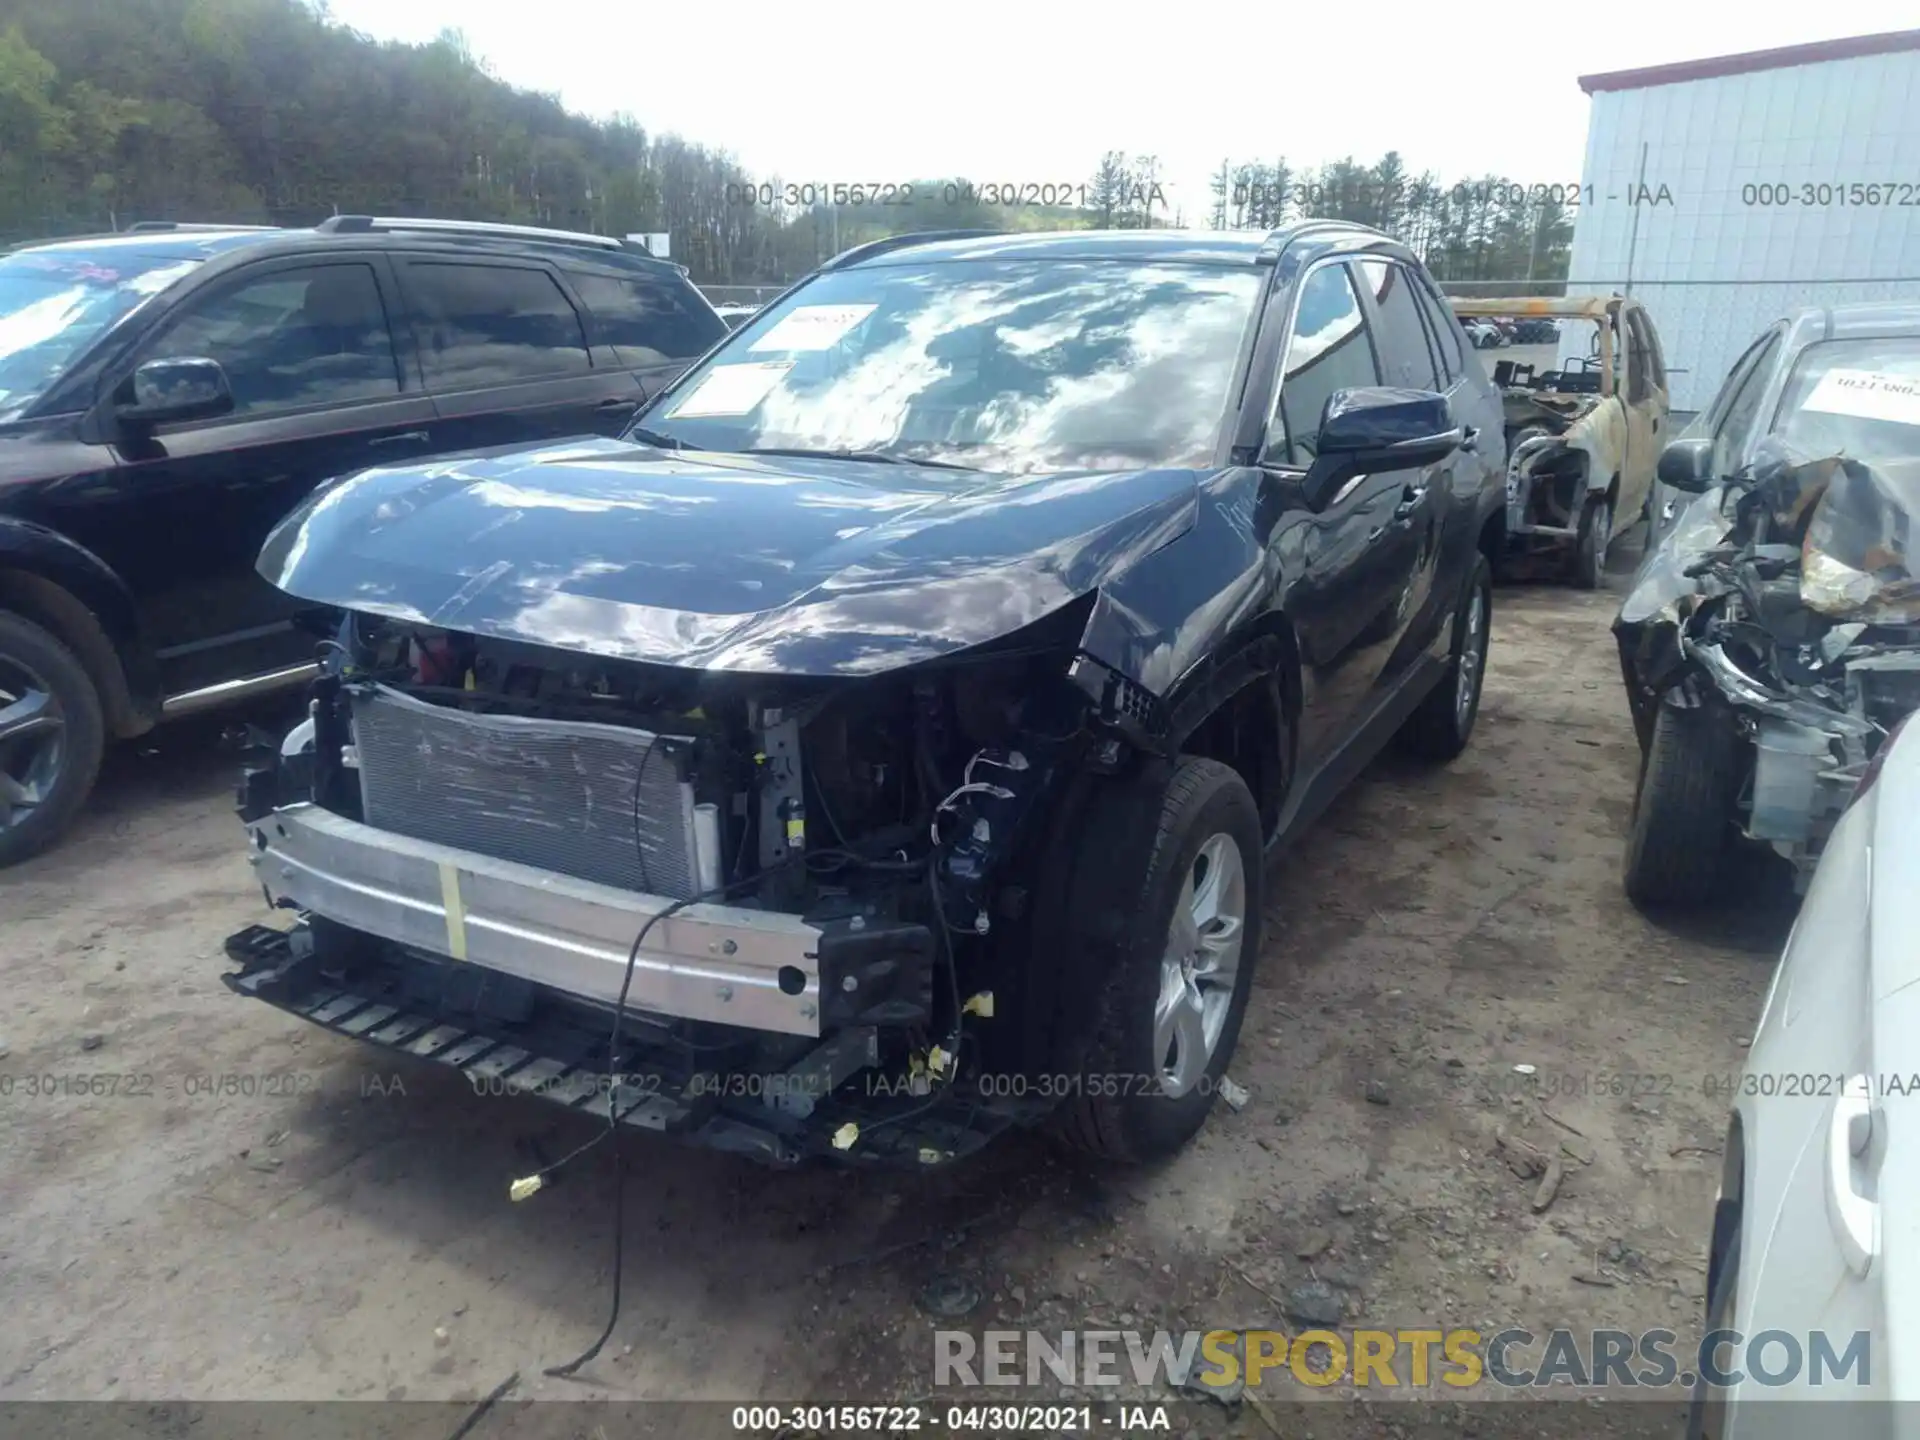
x,y
263,110
113,111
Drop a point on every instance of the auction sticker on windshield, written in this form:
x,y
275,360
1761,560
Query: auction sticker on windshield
x,y
812,327
1869,395
732,389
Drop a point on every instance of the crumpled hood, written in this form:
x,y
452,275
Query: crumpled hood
x,y
724,562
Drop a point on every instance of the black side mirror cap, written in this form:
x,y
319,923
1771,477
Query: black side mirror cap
x,y
1379,427
1687,464
186,388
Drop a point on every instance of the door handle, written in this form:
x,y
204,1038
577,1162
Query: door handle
x,y
405,437
1854,1218
1410,499
1470,438
611,405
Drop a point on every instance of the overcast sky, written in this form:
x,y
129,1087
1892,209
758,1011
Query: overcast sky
x,y
1023,91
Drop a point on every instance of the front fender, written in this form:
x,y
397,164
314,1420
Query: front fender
x,y
1168,621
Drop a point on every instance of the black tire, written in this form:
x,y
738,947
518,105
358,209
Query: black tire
x,y
1587,564
1705,1415
28,652
1678,845
1118,1111
1441,727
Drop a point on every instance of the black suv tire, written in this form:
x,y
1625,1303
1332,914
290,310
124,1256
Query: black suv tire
x,y
30,658
1119,1112
1442,725
1678,843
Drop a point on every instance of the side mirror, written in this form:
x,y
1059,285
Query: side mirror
x,y
1687,464
188,388
1379,428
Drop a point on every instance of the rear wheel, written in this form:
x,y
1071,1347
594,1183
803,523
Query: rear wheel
x,y
1678,848
1588,563
52,733
1443,724
1170,1014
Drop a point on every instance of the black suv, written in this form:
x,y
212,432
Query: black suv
x,y
974,620
169,392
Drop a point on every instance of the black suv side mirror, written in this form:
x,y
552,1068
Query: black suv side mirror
x,y
187,388
1378,427
1687,464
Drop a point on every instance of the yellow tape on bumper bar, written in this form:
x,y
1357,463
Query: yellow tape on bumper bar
x,y
456,912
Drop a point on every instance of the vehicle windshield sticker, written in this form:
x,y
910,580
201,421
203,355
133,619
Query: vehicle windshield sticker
x,y
812,327
1869,395
732,389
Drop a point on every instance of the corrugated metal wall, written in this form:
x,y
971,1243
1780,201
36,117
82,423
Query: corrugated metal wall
x,y
1718,263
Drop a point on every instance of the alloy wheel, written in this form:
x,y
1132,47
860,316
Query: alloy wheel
x,y
1472,657
32,741
1200,964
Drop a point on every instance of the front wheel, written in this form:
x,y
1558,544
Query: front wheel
x,y
1678,844
1443,724
52,734
1170,1014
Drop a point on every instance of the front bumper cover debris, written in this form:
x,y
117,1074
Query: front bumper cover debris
x,y
510,1041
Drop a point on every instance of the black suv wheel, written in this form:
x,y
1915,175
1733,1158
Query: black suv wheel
x,y
1172,1005
1443,724
51,737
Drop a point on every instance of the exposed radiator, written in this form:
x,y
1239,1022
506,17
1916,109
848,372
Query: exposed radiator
x,y
600,802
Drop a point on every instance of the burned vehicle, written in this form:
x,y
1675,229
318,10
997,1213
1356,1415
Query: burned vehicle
x,y
878,746
1583,438
1771,640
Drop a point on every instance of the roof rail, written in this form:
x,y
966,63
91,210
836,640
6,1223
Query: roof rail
x,y
1278,240
142,226
896,242
472,229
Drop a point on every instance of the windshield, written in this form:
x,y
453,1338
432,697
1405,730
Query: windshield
x,y
1858,398
1014,366
54,302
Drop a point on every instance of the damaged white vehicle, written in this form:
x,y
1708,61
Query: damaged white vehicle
x,y
1582,438
1771,640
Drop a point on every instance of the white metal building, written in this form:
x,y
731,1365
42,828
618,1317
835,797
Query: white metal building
x,y
1726,192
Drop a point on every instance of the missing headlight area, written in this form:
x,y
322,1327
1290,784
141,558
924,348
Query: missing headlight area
x,y
825,871
1782,610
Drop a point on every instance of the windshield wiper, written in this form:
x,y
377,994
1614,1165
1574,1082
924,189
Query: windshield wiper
x,y
879,457
657,439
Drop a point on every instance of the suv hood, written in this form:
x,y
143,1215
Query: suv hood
x,y
718,561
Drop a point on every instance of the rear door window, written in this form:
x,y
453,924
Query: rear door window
x,y
1404,356
1644,371
1441,319
647,320
482,325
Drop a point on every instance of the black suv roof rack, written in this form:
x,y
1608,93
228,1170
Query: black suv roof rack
x,y
474,229
142,226
896,242
1278,240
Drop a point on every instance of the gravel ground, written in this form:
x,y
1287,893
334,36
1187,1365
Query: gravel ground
x,y
332,1228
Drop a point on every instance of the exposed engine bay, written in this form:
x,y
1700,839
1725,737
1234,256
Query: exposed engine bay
x,y
821,867
1787,594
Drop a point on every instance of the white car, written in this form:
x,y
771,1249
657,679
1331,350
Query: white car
x,y
1819,1207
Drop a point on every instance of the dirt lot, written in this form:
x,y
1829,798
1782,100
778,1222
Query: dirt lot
x,y
337,1229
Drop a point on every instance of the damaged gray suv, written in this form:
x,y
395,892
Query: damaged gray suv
x,y
878,746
